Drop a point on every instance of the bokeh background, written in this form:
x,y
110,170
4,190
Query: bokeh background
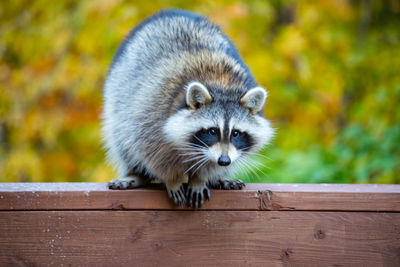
x,y
332,69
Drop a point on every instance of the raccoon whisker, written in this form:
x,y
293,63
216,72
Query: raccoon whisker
x,y
253,160
191,145
240,164
201,141
252,163
264,166
256,154
194,158
190,149
195,164
201,165
257,162
191,153
190,157
248,166
243,168
248,169
195,145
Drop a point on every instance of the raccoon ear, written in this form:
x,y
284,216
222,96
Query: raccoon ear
x,y
254,99
197,95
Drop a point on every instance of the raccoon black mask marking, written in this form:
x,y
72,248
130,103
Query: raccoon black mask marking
x,y
180,103
209,137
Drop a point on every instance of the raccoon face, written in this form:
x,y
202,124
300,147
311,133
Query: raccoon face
x,y
218,127
220,146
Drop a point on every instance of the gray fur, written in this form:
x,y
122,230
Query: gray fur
x,y
147,122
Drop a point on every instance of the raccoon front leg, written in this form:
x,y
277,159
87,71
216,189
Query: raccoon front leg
x,y
197,192
226,184
176,192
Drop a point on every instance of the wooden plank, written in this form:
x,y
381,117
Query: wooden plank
x,y
96,196
217,238
350,188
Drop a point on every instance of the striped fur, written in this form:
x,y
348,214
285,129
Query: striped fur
x,y
147,121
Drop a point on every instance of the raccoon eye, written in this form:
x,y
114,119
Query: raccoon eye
x,y
235,133
212,131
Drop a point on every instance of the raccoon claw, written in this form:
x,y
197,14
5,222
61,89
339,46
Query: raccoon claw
x,y
228,185
196,195
177,195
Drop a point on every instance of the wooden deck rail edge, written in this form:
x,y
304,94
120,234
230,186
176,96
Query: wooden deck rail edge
x,y
86,224
259,197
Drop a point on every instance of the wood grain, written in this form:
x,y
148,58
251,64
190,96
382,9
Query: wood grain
x,y
85,224
96,196
200,238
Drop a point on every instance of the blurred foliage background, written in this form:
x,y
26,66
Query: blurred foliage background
x,y
331,67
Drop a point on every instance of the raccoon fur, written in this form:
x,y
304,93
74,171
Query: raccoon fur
x,y
180,104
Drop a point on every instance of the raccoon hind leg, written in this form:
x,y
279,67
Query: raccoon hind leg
x,y
133,179
128,182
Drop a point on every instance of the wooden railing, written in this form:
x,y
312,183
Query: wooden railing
x,y
86,224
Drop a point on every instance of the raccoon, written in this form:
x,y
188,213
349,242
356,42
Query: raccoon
x,y
180,104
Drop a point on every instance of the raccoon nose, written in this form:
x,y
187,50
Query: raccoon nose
x,y
224,161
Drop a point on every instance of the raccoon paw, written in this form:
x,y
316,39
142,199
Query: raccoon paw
x,y
227,184
196,195
177,195
128,182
